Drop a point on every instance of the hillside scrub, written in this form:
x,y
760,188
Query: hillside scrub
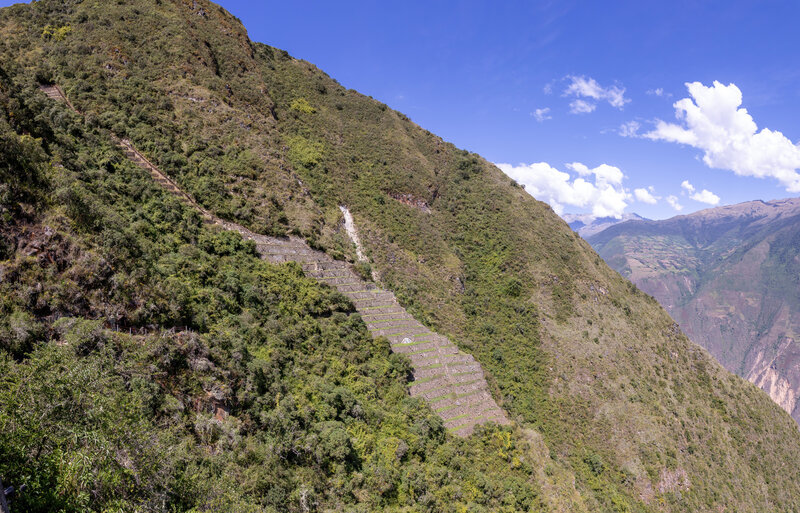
x,y
257,388
149,362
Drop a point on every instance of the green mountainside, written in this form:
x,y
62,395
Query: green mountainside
x,y
730,276
151,362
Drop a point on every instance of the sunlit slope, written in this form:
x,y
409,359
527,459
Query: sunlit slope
x,y
623,402
729,276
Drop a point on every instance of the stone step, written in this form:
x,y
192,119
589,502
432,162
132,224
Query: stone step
x,y
432,370
279,259
320,266
443,384
438,388
453,391
453,401
392,324
288,258
432,354
387,319
328,274
383,315
422,346
284,242
339,281
339,287
376,303
419,337
387,309
277,250
440,341
356,286
286,248
429,372
411,331
370,294
423,359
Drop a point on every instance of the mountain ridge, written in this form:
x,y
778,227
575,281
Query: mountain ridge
x,y
720,270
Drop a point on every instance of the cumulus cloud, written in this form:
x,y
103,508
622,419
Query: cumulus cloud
x,y
598,189
542,114
629,129
646,196
583,87
673,202
706,196
713,121
656,92
581,107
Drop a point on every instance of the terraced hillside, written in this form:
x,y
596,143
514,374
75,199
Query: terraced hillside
x,y
450,380
138,317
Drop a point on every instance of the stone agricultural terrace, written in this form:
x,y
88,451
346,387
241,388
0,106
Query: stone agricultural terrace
x,y
451,381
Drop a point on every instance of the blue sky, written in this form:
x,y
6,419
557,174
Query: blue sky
x,y
475,72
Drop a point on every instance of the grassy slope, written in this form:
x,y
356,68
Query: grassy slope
x,y
579,357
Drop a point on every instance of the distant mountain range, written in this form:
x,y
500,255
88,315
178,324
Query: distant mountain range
x,y
587,224
730,276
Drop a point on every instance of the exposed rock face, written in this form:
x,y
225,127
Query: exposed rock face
x,y
729,276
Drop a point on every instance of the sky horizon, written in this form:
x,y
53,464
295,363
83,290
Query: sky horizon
x,y
636,107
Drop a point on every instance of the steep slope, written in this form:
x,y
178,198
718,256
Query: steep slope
x,y
729,276
615,409
451,381
150,361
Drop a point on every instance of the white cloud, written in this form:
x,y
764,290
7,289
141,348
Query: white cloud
x,y
656,92
604,173
712,121
706,196
542,114
687,186
581,107
673,202
646,196
629,129
599,189
583,87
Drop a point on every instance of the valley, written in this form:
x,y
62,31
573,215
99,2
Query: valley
x,y
728,276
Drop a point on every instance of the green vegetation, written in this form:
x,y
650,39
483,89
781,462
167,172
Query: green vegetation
x,y
152,363
302,105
